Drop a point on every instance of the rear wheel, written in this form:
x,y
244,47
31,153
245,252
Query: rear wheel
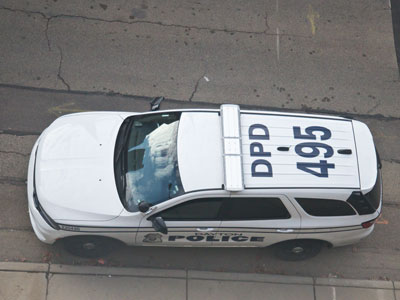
x,y
296,250
90,246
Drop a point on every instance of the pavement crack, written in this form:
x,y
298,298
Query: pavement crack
x,y
160,24
48,277
31,12
392,160
49,17
374,107
13,229
266,22
14,152
59,70
12,180
18,132
391,204
196,87
187,284
46,33
198,27
157,23
27,12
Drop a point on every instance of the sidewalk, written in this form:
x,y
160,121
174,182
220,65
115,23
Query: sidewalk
x,y
43,281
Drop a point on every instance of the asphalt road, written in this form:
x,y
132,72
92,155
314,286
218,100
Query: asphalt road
x,y
313,56
28,112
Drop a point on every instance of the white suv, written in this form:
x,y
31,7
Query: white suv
x,y
213,178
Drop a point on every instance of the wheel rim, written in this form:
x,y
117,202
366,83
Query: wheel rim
x,y
297,250
89,246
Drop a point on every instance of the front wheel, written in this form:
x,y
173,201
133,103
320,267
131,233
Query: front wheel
x,y
90,246
296,250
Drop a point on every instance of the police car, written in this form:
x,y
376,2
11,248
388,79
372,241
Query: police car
x,y
201,177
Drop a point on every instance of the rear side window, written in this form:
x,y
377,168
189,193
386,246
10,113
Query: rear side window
x,y
325,207
194,210
237,209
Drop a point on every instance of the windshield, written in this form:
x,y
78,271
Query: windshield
x,y
148,164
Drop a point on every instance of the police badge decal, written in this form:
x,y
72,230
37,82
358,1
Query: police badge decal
x,y
152,238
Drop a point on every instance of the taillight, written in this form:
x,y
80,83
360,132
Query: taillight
x,y
368,224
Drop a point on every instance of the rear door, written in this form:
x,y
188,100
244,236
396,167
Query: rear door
x,y
191,223
258,221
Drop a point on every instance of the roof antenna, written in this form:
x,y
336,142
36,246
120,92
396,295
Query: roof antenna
x,y
155,103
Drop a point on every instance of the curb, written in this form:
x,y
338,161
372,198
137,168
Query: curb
x,y
114,271
250,277
373,284
194,275
24,267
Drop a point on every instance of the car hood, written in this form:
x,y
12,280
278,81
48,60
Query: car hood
x,y
74,170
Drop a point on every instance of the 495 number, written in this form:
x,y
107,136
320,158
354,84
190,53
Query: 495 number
x,y
319,169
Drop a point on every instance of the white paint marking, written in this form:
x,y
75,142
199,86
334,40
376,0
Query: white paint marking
x,y
333,293
277,43
206,78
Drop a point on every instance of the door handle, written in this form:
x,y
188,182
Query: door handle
x,y
285,230
204,229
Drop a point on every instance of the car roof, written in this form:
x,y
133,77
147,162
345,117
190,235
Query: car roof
x,y
234,149
288,168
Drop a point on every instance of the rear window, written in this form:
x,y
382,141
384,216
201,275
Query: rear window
x,y
325,207
237,209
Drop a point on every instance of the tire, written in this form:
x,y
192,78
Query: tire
x,y
90,246
296,250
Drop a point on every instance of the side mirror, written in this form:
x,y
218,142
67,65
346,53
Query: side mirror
x,y
155,103
159,225
144,206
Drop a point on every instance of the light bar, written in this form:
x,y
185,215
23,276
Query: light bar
x,y
230,119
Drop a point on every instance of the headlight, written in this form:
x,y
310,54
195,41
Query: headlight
x,y
39,208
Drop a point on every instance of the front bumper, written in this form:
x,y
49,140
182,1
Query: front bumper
x,y
42,230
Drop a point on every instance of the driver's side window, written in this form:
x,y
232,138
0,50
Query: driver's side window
x,y
207,209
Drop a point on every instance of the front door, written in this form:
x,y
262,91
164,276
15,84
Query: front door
x,y
258,221
191,223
